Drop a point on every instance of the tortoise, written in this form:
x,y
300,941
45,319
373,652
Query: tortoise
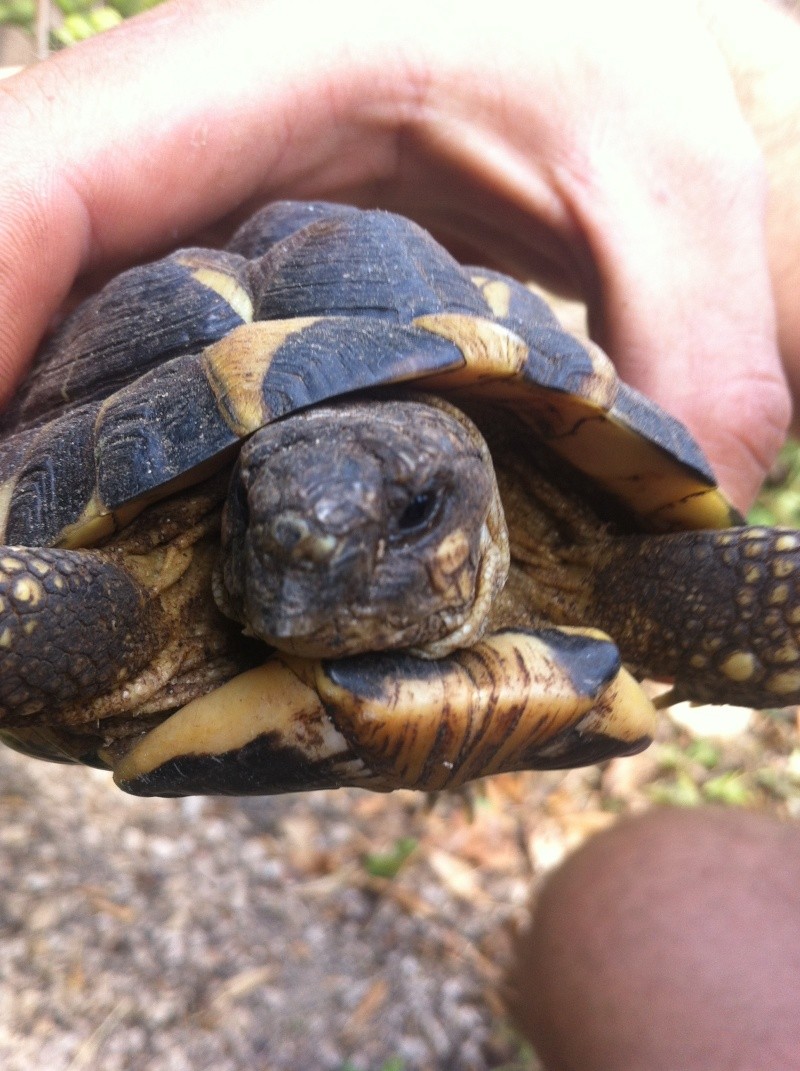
x,y
257,543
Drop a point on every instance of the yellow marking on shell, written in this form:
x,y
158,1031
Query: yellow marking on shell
x,y
482,711
6,638
784,683
224,284
699,661
579,427
435,732
787,541
643,475
602,366
623,711
270,699
237,365
30,626
11,565
6,493
489,708
94,524
793,615
498,295
740,666
490,350
617,458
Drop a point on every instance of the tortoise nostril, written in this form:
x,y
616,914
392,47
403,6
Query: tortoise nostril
x,y
289,530
294,537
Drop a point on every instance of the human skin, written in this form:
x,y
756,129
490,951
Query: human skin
x,y
672,941
553,140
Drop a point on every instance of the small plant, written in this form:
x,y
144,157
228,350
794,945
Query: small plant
x,y
72,20
779,501
18,13
388,864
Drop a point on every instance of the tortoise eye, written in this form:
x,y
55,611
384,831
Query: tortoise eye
x,y
417,512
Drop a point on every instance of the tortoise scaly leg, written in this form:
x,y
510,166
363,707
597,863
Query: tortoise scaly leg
x,y
516,700
72,625
718,612
85,634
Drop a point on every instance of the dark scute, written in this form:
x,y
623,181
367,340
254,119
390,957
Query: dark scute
x,y
367,264
56,744
339,355
556,359
260,768
374,677
278,220
140,319
525,307
652,422
27,742
591,664
158,428
573,748
12,451
55,480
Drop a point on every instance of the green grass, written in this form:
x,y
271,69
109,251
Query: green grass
x,y
73,20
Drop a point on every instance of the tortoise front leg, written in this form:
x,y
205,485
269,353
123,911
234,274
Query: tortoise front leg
x,y
73,624
126,631
517,700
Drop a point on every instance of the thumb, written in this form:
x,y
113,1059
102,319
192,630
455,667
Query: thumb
x,y
686,312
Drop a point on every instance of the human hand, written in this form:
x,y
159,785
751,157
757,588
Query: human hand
x,y
601,146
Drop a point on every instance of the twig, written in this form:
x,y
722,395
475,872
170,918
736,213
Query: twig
x,y
42,29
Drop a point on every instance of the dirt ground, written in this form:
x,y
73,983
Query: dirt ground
x,y
288,934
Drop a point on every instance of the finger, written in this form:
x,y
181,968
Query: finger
x,y
584,153
683,300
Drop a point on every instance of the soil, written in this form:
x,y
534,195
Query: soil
x,y
339,931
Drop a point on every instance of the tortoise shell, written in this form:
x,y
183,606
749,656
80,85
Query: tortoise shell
x,y
152,383
148,389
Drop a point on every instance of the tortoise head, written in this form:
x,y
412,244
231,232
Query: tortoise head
x,y
374,525
362,527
